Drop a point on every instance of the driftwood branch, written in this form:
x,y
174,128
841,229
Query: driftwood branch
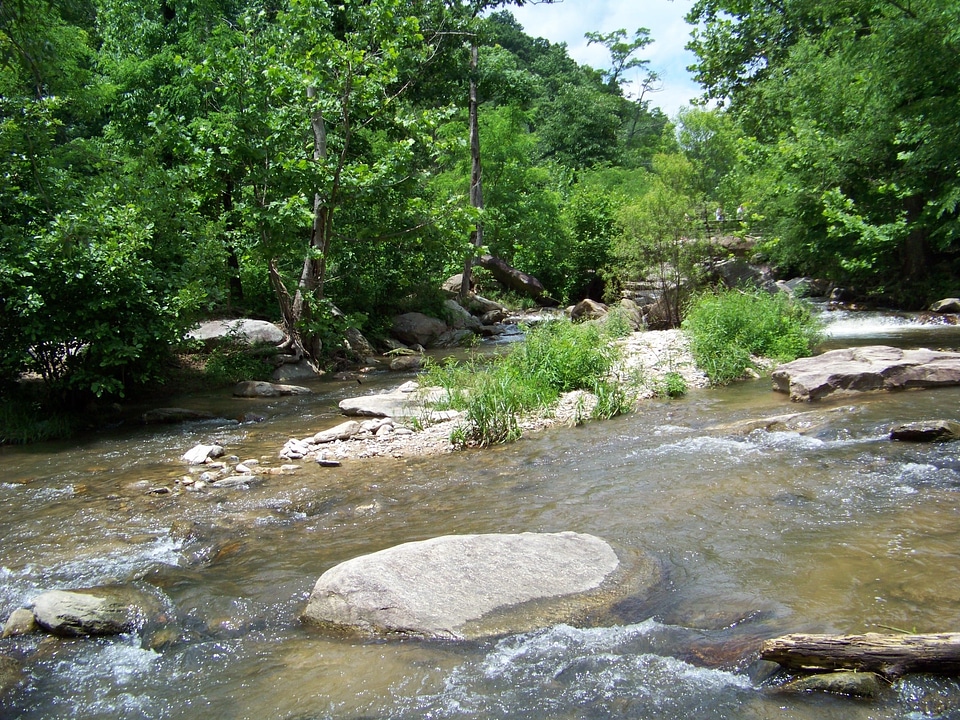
x,y
889,655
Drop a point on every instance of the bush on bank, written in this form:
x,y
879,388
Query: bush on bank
x,y
729,328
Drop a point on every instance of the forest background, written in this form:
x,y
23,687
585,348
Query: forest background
x,y
312,163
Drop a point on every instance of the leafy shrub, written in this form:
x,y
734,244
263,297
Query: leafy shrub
x,y
616,323
89,304
728,328
673,385
232,362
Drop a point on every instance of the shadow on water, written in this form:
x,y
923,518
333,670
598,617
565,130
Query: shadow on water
x,y
826,526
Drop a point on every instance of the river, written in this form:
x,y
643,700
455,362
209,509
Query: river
x,y
832,529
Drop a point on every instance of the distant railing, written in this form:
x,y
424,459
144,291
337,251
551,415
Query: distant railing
x,y
722,227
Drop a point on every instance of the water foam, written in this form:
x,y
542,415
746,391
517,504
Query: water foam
x,y
562,669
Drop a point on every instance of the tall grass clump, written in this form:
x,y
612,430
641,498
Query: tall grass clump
x,y
26,422
555,358
728,328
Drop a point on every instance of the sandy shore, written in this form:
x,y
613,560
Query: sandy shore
x,y
647,358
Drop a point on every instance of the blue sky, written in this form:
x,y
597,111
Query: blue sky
x,y
567,21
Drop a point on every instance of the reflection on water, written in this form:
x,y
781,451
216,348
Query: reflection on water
x,y
829,527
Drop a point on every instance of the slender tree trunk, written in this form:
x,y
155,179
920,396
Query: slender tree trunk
x,y
476,172
235,295
914,250
296,310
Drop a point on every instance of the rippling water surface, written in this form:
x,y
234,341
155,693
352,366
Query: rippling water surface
x,y
828,528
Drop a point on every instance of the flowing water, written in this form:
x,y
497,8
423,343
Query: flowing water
x,y
832,529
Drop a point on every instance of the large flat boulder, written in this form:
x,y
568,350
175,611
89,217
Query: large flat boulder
x,y
400,403
468,586
875,367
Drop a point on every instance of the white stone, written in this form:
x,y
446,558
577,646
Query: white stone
x,y
201,453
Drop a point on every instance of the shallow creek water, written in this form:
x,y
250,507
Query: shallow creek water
x,y
835,529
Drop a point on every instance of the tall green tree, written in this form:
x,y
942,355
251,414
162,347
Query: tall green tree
x,y
853,105
90,280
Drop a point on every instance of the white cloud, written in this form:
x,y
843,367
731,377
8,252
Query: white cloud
x,y
567,22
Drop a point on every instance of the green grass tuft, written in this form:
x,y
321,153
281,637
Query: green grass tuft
x,y
556,357
22,423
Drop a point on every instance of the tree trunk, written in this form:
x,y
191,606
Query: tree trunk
x,y
914,251
296,310
235,295
890,655
476,172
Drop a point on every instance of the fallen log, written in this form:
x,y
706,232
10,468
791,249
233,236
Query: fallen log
x,y
514,279
888,655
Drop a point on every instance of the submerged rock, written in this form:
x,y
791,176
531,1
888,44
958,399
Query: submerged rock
x,y
11,674
464,586
260,388
927,431
160,416
102,610
875,367
856,684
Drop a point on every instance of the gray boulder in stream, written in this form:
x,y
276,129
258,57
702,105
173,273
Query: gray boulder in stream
x,y
102,610
471,586
927,431
875,367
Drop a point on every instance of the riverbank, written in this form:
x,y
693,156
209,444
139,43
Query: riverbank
x,y
647,359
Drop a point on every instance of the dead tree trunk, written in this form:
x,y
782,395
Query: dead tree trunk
x,y
476,171
890,655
